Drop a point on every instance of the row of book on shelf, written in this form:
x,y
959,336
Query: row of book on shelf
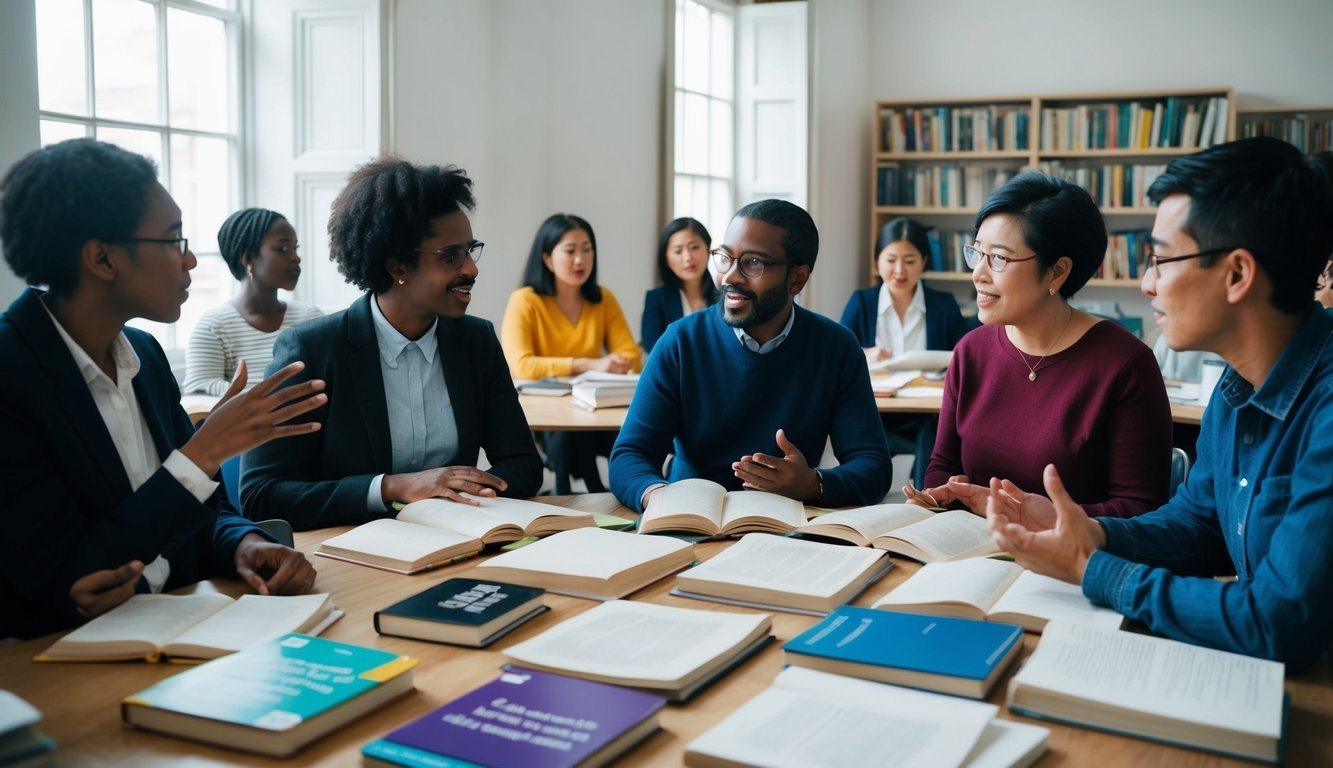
x,y
989,128
1126,252
1307,133
1112,185
1178,122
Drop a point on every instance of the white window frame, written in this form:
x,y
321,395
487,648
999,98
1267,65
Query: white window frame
x,y
677,91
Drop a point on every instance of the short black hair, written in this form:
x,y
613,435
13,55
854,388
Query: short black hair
x,y
800,237
1058,218
1263,195
664,272
59,197
385,211
242,233
903,228
538,276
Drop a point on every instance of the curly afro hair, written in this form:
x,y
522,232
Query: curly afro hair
x,y
385,211
60,197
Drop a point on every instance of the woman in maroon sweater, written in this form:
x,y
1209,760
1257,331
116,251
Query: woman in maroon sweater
x,y
1043,383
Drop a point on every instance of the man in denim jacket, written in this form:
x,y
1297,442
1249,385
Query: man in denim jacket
x,y
1241,234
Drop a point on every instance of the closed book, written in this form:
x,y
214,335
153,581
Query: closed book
x,y
590,562
528,718
469,612
273,698
547,387
958,656
21,744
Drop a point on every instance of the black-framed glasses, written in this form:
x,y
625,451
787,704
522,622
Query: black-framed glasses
x,y
996,261
182,243
1155,262
454,255
751,266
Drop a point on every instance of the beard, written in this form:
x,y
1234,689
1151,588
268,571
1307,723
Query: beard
x,y
763,307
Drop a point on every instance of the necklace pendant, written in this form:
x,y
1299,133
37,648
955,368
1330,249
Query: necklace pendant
x,y
1032,375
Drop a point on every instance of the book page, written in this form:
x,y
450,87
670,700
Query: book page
x,y
809,718
395,539
639,641
1006,743
251,620
977,582
478,521
920,360
873,521
152,619
1045,598
1158,676
589,552
946,535
738,504
687,497
788,565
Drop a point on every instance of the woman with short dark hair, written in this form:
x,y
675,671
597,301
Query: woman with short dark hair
x,y
687,285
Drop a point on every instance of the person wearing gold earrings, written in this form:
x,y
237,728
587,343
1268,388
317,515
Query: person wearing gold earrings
x,y
1042,382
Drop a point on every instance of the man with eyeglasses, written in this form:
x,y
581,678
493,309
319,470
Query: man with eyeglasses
x,y
747,393
108,487
1242,231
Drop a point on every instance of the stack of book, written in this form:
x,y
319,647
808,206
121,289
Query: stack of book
x,y
21,744
595,390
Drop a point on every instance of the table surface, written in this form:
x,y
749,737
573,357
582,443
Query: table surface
x,y
81,701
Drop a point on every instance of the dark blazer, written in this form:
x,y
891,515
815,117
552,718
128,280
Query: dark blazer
x,y
661,307
321,479
945,323
70,507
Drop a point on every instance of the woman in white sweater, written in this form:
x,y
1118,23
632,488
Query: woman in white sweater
x,y
259,247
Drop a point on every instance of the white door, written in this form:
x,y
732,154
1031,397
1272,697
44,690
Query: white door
x,y
771,103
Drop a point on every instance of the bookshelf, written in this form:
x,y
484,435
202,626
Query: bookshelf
x,y
1310,129
937,160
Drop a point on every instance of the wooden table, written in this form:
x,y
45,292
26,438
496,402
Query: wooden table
x,y
81,701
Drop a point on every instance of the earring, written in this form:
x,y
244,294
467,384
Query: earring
x,y
1052,290
402,281
250,270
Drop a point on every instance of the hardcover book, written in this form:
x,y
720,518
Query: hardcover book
x,y
590,562
528,718
274,698
704,507
21,744
461,611
957,656
909,530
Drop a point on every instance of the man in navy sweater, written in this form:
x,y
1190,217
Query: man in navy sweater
x,y
742,393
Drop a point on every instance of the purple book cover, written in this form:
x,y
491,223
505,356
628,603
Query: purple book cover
x,y
530,718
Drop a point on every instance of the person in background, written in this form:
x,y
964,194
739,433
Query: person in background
x,y
1323,287
108,486
418,388
902,314
1242,230
1185,365
259,247
687,285
1043,383
562,323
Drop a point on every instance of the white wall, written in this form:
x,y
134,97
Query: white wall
x,y
1271,53
550,107
18,103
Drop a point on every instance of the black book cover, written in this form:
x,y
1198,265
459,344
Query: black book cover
x,y
468,602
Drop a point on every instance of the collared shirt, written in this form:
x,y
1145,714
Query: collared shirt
x,y
125,422
754,346
907,334
1257,502
423,432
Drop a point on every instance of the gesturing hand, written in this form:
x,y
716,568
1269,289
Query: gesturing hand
x,y
957,489
100,591
243,420
788,474
442,483
272,569
1060,551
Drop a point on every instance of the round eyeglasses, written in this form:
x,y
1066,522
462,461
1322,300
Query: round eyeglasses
x,y
996,261
750,266
454,255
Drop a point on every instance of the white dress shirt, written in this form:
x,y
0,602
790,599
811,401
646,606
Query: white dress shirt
x,y
901,335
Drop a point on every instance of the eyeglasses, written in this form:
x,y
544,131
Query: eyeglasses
x,y
750,266
996,262
1155,262
454,255
182,243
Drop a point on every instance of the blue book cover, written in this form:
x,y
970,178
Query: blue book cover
x,y
527,718
931,649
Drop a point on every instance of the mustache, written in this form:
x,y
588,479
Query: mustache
x,y
752,296
463,282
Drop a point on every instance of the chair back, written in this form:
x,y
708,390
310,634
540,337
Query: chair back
x,y
1180,468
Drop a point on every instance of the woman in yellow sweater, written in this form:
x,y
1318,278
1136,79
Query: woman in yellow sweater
x,y
562,323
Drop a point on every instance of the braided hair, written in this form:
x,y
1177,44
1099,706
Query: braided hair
x,y
242,233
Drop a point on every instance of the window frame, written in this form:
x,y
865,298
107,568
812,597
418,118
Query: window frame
x,y
677,93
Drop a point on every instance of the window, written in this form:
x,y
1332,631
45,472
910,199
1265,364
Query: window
x,y
157,77
704,167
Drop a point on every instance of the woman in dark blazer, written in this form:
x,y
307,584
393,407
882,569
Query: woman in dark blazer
x,y
682,266
416,389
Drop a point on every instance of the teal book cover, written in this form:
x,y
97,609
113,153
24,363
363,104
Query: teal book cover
x,y
277,685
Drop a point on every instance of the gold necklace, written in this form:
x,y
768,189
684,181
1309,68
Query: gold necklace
x,y
1032,370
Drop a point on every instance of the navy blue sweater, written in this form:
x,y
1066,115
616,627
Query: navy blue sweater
x,y
706,398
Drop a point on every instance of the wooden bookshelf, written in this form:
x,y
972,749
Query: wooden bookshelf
x,y
937,160
1310,129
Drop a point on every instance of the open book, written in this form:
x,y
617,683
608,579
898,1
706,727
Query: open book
x,y
590,562
199,626
995,590
433,532
767,571
660,648
1153,688
919,360
807,718
704,507
909,530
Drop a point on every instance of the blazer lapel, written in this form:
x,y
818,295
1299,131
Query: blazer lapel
x,y
455,359
368,379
